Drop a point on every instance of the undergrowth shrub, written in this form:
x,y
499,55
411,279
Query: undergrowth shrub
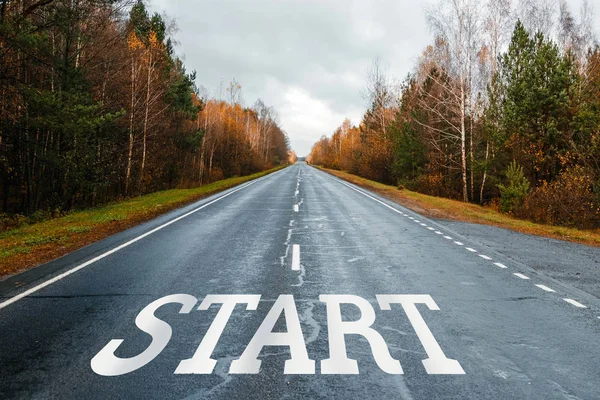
x,y
513,194
567,200
14,221
431,184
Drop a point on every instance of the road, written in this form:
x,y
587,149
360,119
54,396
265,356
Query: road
x,y
266,279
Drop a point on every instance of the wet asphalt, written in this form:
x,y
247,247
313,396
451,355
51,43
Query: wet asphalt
x,y
513,339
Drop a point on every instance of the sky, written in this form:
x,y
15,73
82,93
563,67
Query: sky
x,y
308,59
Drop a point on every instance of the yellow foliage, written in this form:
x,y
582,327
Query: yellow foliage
x,y
133,42
153,40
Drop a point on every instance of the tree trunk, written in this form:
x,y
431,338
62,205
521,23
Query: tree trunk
x,y
471,158
463,145
3,10
210,161
463,133
201,166
487,155
131,119
144,144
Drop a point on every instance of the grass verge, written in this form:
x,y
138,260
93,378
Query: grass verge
x,y
438,207
31,245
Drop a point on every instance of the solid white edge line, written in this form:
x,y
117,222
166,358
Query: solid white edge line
x,y
521,276
571,301
545,288
575,303
373,198
399,212
296,257
114,250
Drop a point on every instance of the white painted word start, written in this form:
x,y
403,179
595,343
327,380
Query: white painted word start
x,y
107,364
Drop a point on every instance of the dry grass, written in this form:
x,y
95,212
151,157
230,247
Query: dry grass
x,y
35,244
438,207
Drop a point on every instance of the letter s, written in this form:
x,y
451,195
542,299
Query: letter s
x,y
107,364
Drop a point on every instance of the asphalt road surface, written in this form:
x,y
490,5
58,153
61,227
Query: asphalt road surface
x,y
296,285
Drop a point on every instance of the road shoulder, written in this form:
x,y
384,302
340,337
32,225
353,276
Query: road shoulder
x,y
560,254
34,245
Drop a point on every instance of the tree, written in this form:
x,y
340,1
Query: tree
x,y
376,142
456,24
96,105
536,122
537,16
497,29
481,103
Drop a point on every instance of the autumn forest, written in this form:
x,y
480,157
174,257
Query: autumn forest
x,y
96,107
501,109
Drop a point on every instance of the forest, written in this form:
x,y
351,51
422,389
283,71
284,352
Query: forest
x,y
96,106
501,109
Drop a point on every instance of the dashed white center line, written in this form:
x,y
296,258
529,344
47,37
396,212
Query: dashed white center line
x,y
500,265
546,288
575,303
521,276
423,224
411,217
471,250
296,208
439,233
485,257
417,221
296,257
431,229
459,243
447,237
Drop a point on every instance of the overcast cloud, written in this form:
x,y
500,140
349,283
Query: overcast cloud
x,y
306,58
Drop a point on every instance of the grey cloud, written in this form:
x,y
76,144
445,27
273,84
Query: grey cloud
x,y
322,47
277,47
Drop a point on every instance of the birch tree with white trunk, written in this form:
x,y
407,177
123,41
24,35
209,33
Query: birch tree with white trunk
x,y
456,23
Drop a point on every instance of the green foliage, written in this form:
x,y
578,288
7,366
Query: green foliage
x,y
536,81
537,123
408,151
409,154
77,81
181,93
493,112
158,26
140,21
513,194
